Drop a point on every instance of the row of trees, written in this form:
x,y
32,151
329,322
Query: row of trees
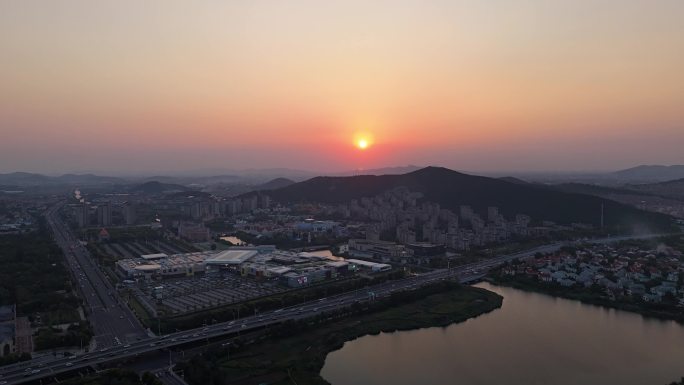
x,y
76,335
117,377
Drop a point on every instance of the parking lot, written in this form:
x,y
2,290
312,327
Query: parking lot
x,y
134,249
185,295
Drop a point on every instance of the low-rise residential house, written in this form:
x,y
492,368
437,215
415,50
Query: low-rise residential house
x,y
652,298
558,275
662,290
636,289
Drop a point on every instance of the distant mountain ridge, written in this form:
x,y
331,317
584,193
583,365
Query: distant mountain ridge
x,y
156,187
451,189
670,188
33,179
275,184
654,173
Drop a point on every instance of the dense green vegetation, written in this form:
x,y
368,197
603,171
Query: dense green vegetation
x,y
116,377
33,277
76,335
295,352
123,234
13,358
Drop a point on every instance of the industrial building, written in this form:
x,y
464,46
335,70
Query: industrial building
x,y
382,250
292,269
357,264
424,249
235,256
162,265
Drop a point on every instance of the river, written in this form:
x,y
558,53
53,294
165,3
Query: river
x,y
534,339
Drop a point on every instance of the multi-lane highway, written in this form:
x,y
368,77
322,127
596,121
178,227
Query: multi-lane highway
x,y
113,323
37,369
31,370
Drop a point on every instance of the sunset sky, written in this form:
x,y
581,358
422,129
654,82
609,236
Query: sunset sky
x,y
146,86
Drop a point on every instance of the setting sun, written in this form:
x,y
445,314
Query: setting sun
x,y
363,140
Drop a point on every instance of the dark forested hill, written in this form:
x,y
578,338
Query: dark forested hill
x,y
452,189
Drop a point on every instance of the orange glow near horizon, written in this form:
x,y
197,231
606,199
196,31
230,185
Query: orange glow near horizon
x,y
339,85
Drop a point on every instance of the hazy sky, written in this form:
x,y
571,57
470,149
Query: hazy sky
x,y
134,86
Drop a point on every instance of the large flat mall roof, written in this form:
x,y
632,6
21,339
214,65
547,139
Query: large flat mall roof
x,y
154,256
232,257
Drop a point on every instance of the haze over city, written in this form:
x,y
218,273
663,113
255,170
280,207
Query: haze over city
x,y
129,87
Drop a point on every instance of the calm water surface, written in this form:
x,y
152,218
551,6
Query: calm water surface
x,y
326,253
532,339
234,240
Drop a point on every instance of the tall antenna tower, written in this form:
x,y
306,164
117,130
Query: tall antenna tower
x,y
601,215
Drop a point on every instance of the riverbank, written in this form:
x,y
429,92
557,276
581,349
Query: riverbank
x,y
593,297
296,353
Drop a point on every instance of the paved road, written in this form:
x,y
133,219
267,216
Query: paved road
x,y
29,370
113,323
26,371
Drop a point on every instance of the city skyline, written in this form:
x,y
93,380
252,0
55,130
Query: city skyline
x,y
542,86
